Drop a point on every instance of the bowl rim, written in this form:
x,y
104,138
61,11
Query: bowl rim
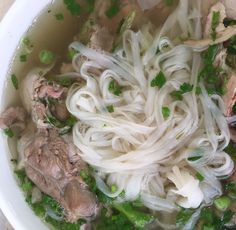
x,y
13,26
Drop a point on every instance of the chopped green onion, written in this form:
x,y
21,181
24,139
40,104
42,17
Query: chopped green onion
x,y
74,8
208,227
46,57
65,81
229,22
182,217
176,95
227,216
194,158
165,112
14,81
110,108
59,16
71,121
90,7
27,186
114,9
114,88
113,188
169,2
200,177
198,90
71,53
23,58
186,87
8,132
26,41
207,215
215,22
222,203
159,80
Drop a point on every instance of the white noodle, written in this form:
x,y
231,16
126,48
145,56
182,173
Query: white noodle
x,y
135,147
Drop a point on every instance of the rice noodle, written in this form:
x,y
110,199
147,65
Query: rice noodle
x,y
135,147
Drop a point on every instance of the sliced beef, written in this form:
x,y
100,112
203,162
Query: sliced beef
x,y
13,116
48,163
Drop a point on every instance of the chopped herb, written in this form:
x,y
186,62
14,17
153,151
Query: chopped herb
x,y
14,81
169,2
71,53
227,217
195,158
165,112
229,22
55,122
114,88
214,23
27,186
113,188
59,16
74,8
211,75
186,87
114,9
198,90
23,58
139,219
8,132
110,108
65,81
176,95
207,215
208,227
200,177
46,57
222,203
26,41
71,121
159,80
90,7
182,217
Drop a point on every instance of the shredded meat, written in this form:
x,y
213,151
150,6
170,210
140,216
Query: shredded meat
x,y
48,165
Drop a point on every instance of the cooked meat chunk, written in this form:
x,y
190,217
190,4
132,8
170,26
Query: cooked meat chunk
x,y
13,116
60,111
48,165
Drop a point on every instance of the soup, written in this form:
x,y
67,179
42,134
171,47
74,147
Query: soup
x,y
125,114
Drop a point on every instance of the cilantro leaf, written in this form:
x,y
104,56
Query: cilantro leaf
x,y
159,80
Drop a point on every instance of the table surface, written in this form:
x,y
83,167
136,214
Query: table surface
x,y
4,6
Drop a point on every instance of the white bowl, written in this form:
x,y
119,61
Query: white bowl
x,y
12,202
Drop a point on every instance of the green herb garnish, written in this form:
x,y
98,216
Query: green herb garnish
x,y
114,88
23,58
8,132
110,108
169,2
73,6
186,87
165,112
176,95
46,57
194,158
222,203
65,81
113,188
159,80
182,217
90,5
59,16
200,177
214,23
114,9
229,22
14,81
26,41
